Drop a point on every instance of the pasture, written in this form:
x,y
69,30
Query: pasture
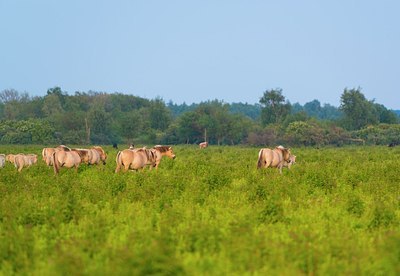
x,y
208,212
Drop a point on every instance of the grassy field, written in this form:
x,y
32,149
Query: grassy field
x,y
208,212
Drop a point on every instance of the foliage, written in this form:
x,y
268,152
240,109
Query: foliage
x,y
359,112
274,108
305,133
208,212
315,110
102,118
382,134
26,132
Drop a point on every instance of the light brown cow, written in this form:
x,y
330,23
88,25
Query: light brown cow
x,y
84,154
163,151
10,158
67,159
274,158
2,160
203,145
24,160
47,153
135,159
290,162
98,154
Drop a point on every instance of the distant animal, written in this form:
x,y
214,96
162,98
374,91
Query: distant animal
x,y
11,157
2,160
115,146
203,145
97,155
47,153
67,159
274,158
163,151
84,154
135,159
24,160
131,146
392,144
290,162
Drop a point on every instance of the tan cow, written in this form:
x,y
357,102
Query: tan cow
x,y
135,159
203,145
47,153
290,162
84,154
67,159
163,151
98,154
24,160
2,160
274,158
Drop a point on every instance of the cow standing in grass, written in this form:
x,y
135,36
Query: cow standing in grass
x,y
274,158
2,160
22,160
203,145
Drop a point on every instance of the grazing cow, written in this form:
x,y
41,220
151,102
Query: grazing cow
x,y
97,155
392,144
115,146
11,158
67,159
135,159
23,160
163,151
84,154
274,158
203,145
290,162
2,160
131,146
47,153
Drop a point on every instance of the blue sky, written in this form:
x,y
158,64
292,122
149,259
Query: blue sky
x,y
192,51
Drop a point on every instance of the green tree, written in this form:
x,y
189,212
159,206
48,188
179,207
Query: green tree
x,y
159,115
305,133
358,111
385,116
274,107
313,108
188,128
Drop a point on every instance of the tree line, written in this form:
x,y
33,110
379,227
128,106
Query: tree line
x,y
106,118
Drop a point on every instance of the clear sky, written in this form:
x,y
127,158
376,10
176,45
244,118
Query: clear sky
x,y
192,51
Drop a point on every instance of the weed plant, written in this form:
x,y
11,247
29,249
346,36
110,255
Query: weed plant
x,y
208,212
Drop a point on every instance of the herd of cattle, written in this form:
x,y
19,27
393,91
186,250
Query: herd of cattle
x,y
63,156
132,158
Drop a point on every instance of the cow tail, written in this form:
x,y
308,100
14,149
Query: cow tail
x,y
56,166
44,154
260,159
118,160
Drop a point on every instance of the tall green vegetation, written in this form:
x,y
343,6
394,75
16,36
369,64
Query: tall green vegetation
x,y
102,118
208,212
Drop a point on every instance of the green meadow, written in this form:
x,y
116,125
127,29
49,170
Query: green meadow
x,y
208,212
